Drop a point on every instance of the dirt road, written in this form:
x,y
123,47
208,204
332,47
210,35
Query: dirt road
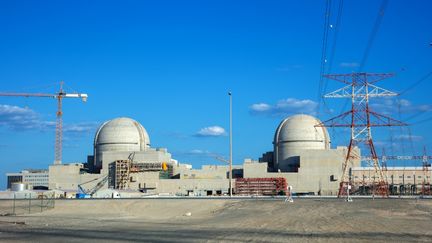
x,y
176,220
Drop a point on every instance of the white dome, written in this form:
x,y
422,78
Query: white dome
x,y
120,134
295,133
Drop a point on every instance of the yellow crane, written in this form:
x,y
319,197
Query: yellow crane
x,y
60,95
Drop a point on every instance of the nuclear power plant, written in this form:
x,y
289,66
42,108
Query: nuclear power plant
x,y
303,162
124,164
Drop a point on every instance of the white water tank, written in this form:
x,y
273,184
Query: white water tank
x,y
18,187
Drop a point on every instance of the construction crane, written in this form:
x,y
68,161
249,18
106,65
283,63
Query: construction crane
x,y
220,158
60,95
83,193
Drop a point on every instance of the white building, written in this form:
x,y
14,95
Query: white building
x,y
37,179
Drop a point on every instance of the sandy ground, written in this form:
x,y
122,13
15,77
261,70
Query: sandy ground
x,y
163,220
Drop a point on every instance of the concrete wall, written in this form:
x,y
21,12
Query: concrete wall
x,y
315,174
68,177
64,176
209,178
395,175
197,187
206,172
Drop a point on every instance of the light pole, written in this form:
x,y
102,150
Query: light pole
x,y
230,145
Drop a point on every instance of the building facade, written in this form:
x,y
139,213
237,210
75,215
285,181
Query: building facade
x,y
37,179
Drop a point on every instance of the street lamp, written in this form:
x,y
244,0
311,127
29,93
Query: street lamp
x,y
230,144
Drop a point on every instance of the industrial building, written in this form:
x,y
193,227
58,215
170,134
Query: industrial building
x,y
124,161
401,180
34,179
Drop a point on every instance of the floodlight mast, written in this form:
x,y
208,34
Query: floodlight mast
x,y
230,146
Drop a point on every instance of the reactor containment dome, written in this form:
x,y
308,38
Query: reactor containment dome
x,y
294,134
120,134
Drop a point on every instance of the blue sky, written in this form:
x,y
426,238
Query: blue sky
x,y
169,65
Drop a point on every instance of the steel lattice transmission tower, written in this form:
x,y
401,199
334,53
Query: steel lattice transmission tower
x,y
360,88
426,186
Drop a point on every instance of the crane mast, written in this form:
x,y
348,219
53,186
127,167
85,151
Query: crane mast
x,y
60,95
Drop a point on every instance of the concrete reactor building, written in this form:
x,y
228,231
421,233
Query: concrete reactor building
x,y
302,154
294,135
124,160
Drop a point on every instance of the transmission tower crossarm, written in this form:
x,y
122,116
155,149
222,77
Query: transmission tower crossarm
x,y
333,122
373,91
345,92
385,121
379,92
371,77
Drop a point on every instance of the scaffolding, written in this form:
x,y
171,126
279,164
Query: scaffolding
x,y
146,167
122,172
123,169
261,186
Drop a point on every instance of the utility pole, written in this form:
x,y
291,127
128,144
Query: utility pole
x,y
230,144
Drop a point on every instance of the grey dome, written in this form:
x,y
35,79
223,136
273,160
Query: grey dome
x,y
120,134
297,133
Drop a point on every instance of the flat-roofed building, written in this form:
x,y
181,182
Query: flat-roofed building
x,y
37,179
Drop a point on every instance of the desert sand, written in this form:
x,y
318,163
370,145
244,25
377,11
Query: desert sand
x,y
223,220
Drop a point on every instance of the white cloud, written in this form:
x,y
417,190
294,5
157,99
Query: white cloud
x,y
392,105
349,64
287,68
84,127
213,131
203,154
261,107
177,135
198,152
24,119
412,138
285,107
19,118
194,153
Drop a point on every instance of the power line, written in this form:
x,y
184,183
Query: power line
x,y
336,33
336,133
422,79
371,40
417,83
324,51
423,121
373,33
333,49
416,115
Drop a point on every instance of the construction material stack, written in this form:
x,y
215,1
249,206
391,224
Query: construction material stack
x,y
261,186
